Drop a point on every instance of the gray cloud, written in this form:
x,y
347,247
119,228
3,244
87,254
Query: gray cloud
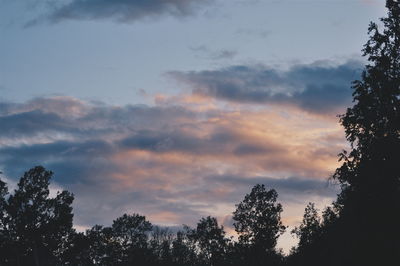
x,y
215,143
239,185
30,123
251,149
124,11
68,116
253,32
224,54
203,51
318,87
73,161
289,185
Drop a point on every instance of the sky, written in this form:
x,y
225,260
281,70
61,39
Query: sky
x,y
175,109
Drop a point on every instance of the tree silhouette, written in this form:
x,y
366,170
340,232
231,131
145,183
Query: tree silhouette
x,y
78,251
4,233
258,223
183,249
309,233
161,245
37,226
103,249
131,234
310,227
362,227
372,125
211,241
370,174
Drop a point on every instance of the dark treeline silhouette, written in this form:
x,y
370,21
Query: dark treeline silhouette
x,y
361,228
36,229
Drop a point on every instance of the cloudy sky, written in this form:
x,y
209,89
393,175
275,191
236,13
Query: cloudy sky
x,y
174,109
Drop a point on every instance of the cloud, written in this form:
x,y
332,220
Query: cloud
x,y
253,32
321,87
284,185
124,11
175,161
49,117
203,51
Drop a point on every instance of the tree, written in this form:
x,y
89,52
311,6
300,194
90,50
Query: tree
x,y
309,233
370,173
211,241
258,222
79,251
103,249
131,233
183,248
4,234
372,125
161,245
310,228
37,225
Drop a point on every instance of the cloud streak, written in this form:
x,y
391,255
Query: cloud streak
x,y
320,87
125,11
203,51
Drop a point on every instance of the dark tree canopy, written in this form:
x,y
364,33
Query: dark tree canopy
x,y
4,235
370,174
211,241
372,125
258,218
310,227
36,226
184,249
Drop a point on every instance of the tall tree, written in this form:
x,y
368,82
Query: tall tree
x,y
183,248
102,248
161,245
309,233
372,125
131,233
370,173
79,251
258,223
38,225
211,241
310,228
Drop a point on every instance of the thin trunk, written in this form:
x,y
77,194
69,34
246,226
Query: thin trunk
x,y
35,254
17,257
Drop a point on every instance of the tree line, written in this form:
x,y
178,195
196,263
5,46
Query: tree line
x,y
36,229
360,228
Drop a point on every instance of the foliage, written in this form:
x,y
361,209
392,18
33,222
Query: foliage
x,y
258,224
211,241
370,174
258,218
310,227
35,226
361,228
37,230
